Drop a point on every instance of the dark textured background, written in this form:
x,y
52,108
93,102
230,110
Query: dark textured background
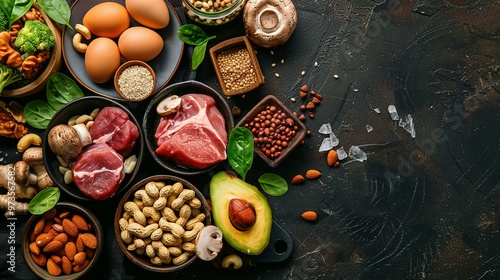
x,y
422,208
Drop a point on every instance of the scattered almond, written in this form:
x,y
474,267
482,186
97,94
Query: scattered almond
x,y
53,268
298,179
309,216
312,174
332,157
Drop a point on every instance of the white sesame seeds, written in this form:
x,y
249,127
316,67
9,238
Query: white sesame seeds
x,y
136,82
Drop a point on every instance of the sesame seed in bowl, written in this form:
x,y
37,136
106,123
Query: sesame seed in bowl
x,y
135,80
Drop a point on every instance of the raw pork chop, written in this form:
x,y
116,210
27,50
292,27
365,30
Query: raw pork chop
x,y
114,127
98,171
194,137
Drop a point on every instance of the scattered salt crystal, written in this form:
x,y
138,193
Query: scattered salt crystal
x,y
355,90
334,139
357,154
393,112
325,129
326,145
408,125
341,153
377,110
369,128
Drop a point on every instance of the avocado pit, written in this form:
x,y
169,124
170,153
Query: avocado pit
x,y
241,214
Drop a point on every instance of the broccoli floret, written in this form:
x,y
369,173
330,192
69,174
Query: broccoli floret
x,y
34,36
4,22
8,76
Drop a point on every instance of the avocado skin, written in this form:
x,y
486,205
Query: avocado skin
x,y
223,188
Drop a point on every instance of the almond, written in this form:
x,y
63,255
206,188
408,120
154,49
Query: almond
x,y
61,237
48,225
40,259
70,250
53,268
56,259
69,228
34,249
81,267
57,227
39,226
312,174
309,216
64,214
89,240
90,253
79,258
332,157
66,265
52,247
80,222
80,247
49,214
298,179
43,239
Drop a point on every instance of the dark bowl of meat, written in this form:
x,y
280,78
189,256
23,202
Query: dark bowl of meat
x,y
92,148
187,126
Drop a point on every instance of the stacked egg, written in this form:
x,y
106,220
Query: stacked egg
x,y
115,38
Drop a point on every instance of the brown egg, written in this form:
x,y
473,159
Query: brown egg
x,y
107,19
140,43
150,13
102,58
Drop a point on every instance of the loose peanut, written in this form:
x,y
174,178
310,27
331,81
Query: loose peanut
x,y
133,209
141,231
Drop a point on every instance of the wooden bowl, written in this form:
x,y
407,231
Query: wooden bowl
x,y
134,80
53,65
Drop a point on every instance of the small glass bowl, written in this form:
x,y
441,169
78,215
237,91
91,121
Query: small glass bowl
x,y
135,79
201,12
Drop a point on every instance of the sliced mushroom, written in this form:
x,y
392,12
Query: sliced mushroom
x,y
169,105
208,243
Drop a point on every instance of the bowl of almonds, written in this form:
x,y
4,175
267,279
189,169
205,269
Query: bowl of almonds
x,y
158,221
63,243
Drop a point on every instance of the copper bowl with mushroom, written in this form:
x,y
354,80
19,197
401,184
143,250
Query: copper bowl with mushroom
x,y
160,234
74,147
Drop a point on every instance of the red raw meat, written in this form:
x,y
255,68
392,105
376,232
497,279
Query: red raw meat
x,y
98,171
114,127
194,137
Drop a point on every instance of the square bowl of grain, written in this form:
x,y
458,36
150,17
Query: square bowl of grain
x,y
236,66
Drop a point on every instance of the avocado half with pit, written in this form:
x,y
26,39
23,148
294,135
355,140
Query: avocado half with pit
x,y
229,195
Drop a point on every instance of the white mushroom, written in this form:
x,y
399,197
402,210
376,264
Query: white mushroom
x,y
169,105
34,157
269,23
68,141
208,243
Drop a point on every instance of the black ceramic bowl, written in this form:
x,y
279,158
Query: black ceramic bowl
x,y
152,119
62,207
81,106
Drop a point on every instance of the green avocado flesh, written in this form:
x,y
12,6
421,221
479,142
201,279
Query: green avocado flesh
x,y
223,188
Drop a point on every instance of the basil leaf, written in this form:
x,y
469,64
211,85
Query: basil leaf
x,y
240,150
192,34
61,90
44,200
38,113
198,55
15,9
273,184
57,10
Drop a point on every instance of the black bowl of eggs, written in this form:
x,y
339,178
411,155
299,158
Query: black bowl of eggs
x,y
92,148
187,126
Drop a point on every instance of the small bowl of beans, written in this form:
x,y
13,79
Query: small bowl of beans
x,y
236,66
212,12
276,130
135,80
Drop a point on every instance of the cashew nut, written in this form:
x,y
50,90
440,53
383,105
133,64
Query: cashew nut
x,y
82,29
78,44
129,164
233,260
27,140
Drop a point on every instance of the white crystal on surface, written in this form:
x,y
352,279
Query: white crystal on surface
x,y
341,153
369,128
357,154
393,112
408,125
326,145
334,139
377,110
325,129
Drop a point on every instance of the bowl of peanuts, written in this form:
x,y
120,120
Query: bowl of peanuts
x,y
63,243
212,12
157,222
276,130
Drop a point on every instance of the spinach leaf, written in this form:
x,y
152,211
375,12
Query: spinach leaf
x,y
15,9
61,89
273,184
57,10
44,200
193,35
38,113
240,150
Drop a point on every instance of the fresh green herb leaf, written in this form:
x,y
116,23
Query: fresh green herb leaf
x,y
57,10
15,9
38,113
240,150
193,35
273,184
61,90
44,200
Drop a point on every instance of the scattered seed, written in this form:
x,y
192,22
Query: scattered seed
x,y
282,61
273,65
292,99
277,75
303,73
336,76
315,64
271,52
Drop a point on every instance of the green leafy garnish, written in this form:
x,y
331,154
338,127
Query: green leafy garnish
x,y
273,184
38,113
57,10
15,9
240,150
44,200
193,35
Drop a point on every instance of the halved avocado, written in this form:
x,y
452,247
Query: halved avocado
x,y
223,188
